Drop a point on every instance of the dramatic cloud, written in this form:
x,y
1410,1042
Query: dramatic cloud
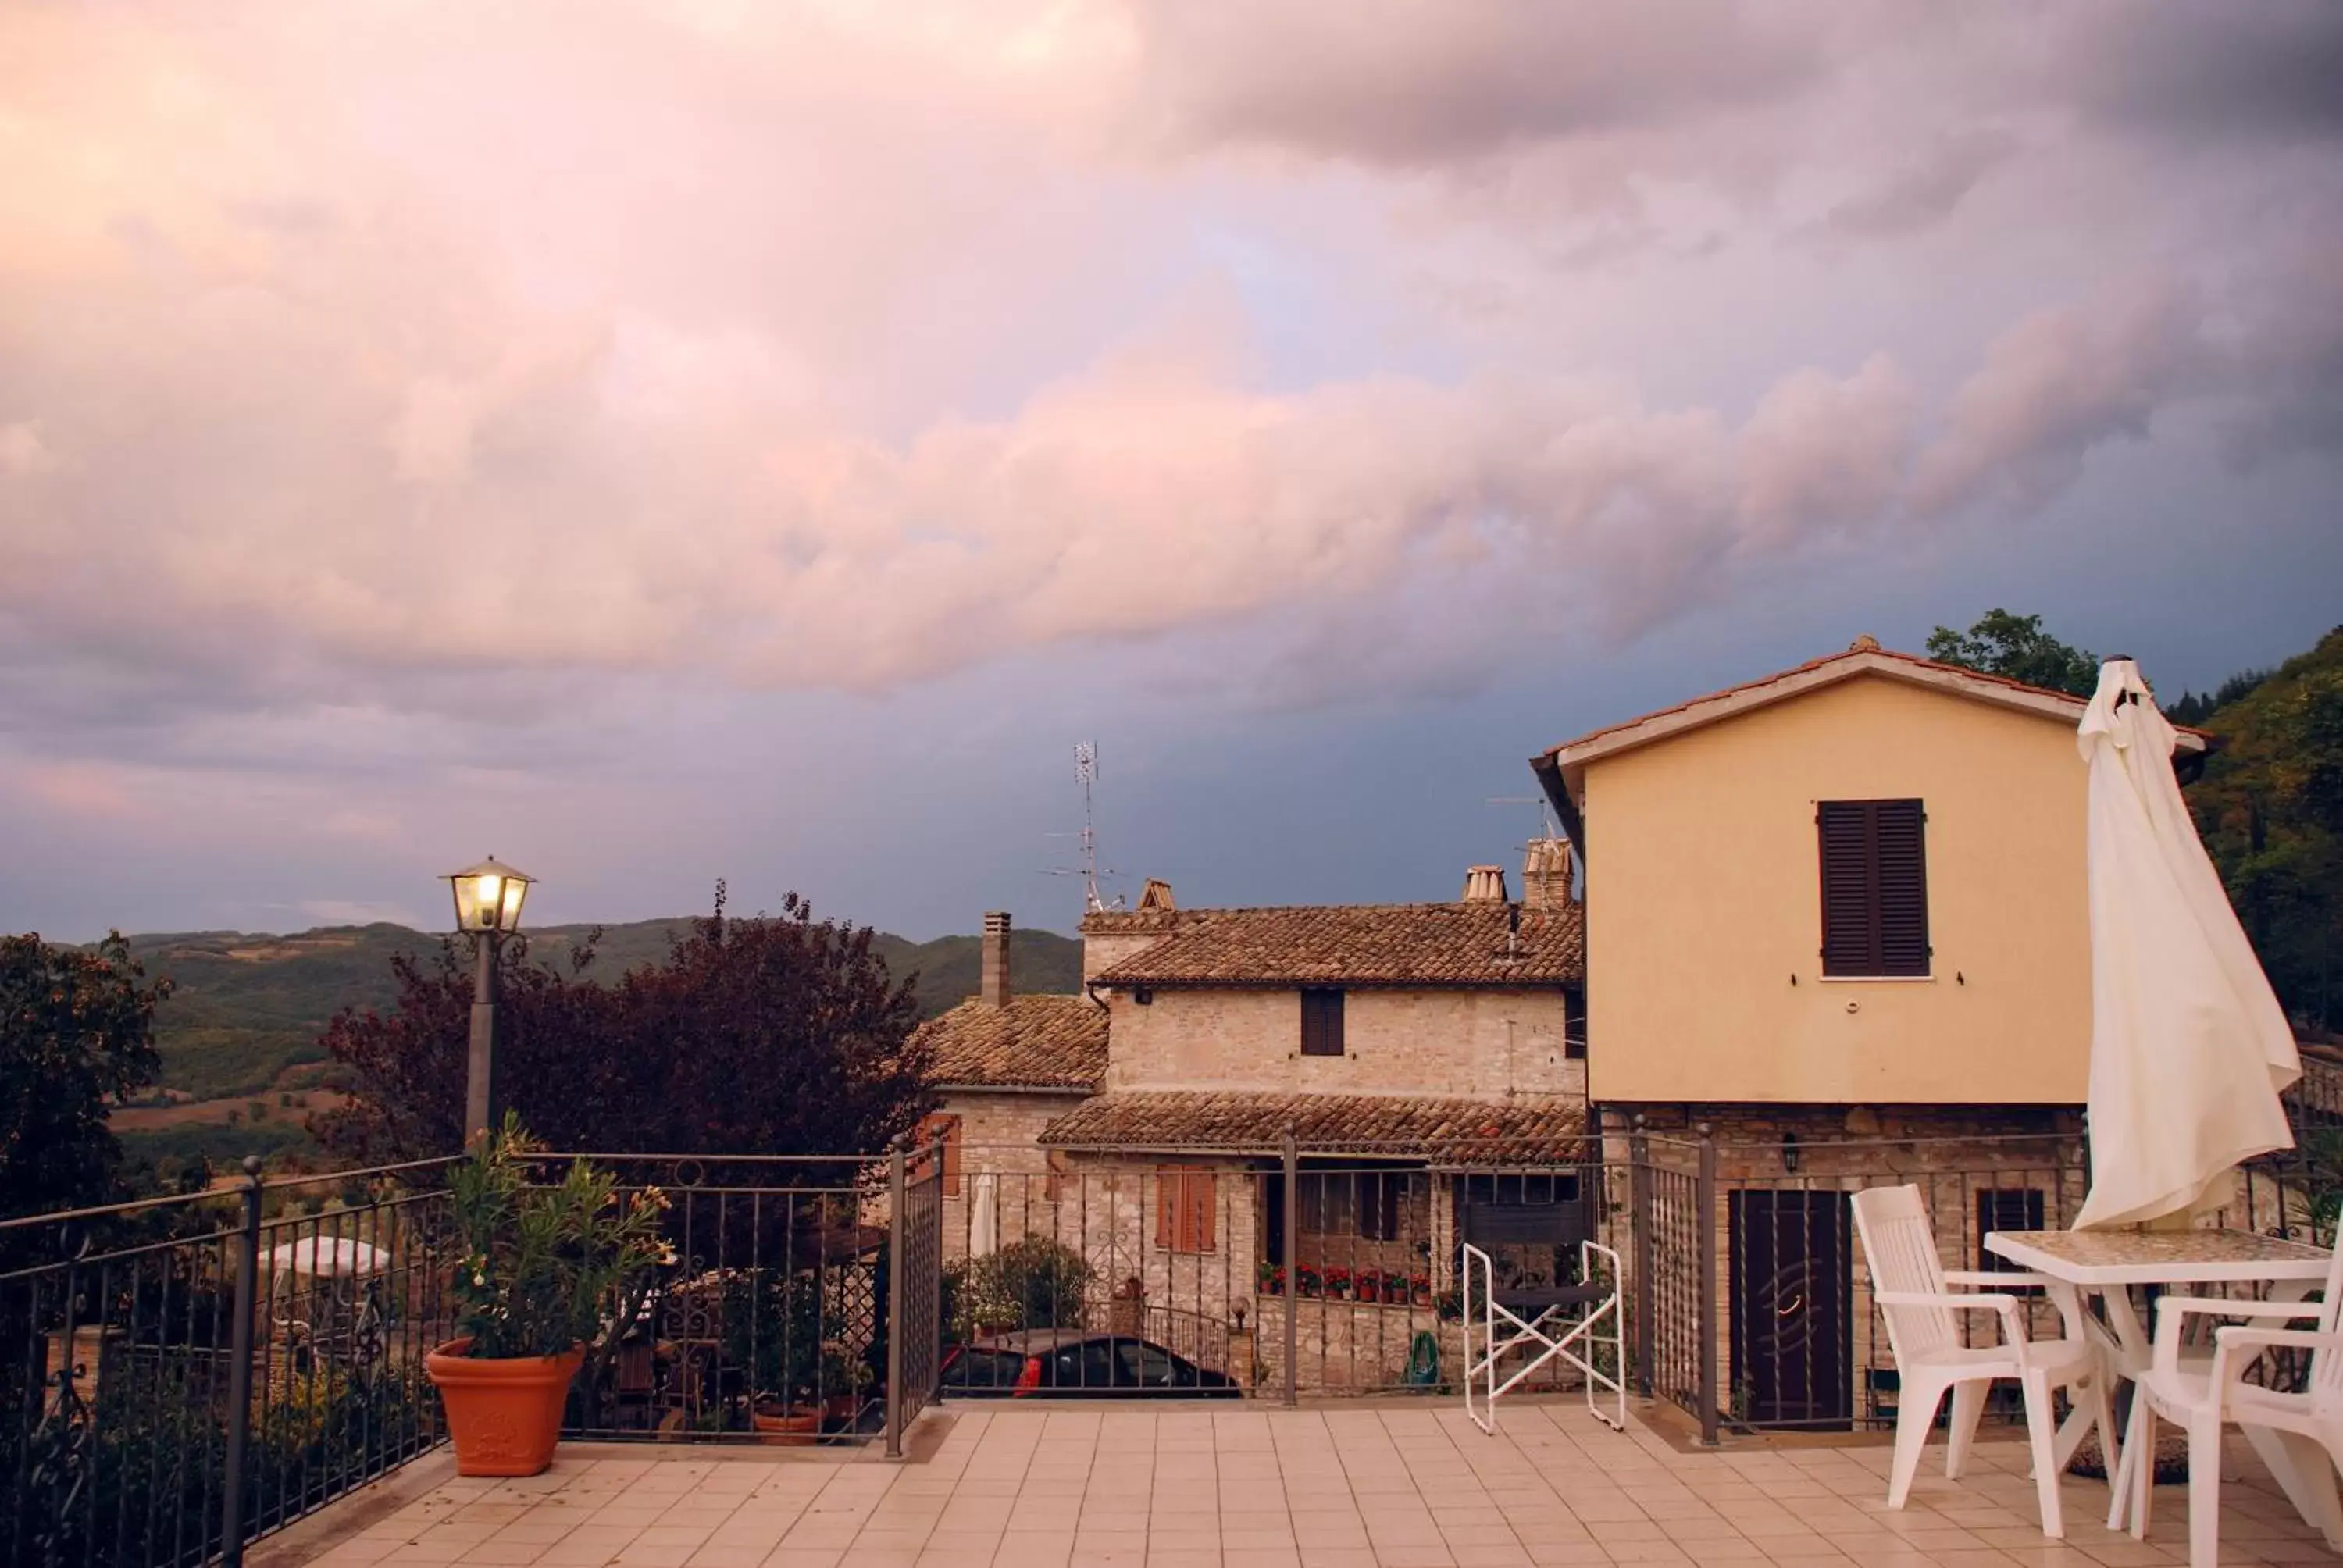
x,y
376,376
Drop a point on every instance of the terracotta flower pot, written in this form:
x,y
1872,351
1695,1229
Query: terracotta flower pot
x,y
503,1412
785,1426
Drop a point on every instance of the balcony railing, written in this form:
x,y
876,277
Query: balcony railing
x,y
186,1374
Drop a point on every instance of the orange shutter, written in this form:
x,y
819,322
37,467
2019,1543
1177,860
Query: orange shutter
x,y
1183,1210
946,1129
1200,1211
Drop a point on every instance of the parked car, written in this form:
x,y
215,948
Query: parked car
x,y
1060,1363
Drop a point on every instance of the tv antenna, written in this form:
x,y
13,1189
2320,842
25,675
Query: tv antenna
x,y
1549,834
1086,773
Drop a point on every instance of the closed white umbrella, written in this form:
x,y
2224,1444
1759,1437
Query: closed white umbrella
x,y
328,1257
2189,1048
984,1217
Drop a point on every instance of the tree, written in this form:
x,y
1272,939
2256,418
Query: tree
x,y
2194,707
76,1032
2016,647
2270,808
771,1035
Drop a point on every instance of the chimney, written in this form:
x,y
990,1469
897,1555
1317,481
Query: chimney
x,y
1545,874
992,981
1484,885
1156,894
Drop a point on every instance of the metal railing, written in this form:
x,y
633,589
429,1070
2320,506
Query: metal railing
x,y
184,1374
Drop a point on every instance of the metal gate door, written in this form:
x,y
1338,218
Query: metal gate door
x,y
915,1250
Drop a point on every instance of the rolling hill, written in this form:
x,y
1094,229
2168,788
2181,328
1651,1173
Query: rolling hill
x,y
249,1007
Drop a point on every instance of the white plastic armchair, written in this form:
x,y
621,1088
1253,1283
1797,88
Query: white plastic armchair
x,y
1916,1296
2306,1428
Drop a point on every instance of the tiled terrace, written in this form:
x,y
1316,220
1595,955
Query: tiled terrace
x,y
1390,1486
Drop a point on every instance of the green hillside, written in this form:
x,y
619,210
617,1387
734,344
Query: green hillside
x,y
247,1006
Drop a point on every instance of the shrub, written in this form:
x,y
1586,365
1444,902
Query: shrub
x,y
542,1267
1034,1282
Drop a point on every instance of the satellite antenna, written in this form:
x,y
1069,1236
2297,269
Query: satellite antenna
x,y
1086,773
1549,833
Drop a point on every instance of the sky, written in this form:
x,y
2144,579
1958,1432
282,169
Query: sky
x,y
676,440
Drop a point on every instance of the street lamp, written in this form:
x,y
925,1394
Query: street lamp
x,y
487,904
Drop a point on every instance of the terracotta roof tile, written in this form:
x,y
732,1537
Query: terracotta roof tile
x,y
1034,1042
1534,1127
1477,944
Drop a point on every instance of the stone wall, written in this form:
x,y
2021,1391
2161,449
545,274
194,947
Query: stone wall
x,y
998,1131
1429,1043
2014,1166
1348,1347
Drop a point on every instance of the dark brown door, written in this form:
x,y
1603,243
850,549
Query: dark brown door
x,y
1792,1340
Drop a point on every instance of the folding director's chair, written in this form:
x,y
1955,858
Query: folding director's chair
x,y
1572,1323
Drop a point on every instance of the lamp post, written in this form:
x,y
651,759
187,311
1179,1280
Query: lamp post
x,y
487,904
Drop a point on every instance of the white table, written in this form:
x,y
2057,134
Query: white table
x,y
2109,1264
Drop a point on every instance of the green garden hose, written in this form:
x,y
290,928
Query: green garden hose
x,y
1424,1360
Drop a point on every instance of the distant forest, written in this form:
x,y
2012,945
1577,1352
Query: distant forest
x,y
2269,803
247,1010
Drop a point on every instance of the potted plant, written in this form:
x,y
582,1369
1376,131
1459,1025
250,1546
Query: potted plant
x,y
1369,1284
1338,1283
772,1330
542,1268
1419,1288
1306,1281
1269,1280
845,1382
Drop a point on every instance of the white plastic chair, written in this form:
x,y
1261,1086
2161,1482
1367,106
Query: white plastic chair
x,y
1915,1293
1546,1334
2305,1429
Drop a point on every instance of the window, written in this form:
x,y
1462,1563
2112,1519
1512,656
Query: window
x,y
1574,1023
1528,1187
1183,1210
1321,1021
946,1130
1874,877
1371,1205
2005,1208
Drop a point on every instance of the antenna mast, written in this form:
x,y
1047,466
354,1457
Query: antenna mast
x,y
1086,774
1086,770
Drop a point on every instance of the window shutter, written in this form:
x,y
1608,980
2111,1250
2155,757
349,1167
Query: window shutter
x,y
945,1129
1850,945
1183,1210
1874,887
1321,1021
1900,841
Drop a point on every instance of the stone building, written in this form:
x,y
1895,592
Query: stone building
x,y
1004,1066
1401,1047
1837,917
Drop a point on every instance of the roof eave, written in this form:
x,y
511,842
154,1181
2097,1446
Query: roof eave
x,y
1570,759
1072,1091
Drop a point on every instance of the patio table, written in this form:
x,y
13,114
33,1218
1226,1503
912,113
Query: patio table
x,y
2109,1264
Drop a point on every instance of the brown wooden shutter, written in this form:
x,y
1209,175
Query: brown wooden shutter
x,y
1849,939
1874,887
1900,850
1166,1207
946,1129
1183,1210
1197,1209
1321,1021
